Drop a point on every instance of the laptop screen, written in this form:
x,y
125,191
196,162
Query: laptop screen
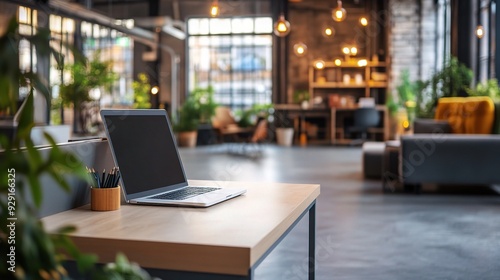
x,y
144,151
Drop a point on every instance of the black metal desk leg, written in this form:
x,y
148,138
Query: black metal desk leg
x,y
312,242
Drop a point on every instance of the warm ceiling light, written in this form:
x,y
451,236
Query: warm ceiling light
x,y
346,50
214,8
354,51
363,21
338,62
328,32
282,27
300,49
155,90
319,64
479,31
339,13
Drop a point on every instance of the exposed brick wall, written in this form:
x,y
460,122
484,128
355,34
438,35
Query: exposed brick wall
x,y
412,39
7,11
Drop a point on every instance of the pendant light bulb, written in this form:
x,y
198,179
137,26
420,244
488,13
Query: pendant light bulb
x,y
300,49
339,13
282,27
328,32
479,31
214,8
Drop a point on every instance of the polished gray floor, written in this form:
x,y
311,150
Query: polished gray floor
x,y
363,233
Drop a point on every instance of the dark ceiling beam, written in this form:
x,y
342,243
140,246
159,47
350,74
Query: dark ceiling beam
x,y
118,2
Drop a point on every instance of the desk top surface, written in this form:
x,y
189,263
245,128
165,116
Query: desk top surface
x,y
226,238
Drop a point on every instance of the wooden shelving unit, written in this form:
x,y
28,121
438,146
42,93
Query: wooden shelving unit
x,y
335,80
330,80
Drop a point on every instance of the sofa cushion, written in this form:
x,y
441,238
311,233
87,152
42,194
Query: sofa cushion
x,y
467,115
450,109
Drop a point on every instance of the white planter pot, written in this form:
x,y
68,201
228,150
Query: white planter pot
x,y
284,136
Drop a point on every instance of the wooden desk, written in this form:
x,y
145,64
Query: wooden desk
x,y
230,238
299,114
384,130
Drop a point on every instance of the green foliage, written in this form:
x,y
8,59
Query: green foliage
x,y
141,89
86,75
451,81
248,117
406,97
123,269
301,95
11,77
489,88
188,117
198,108
204,103
38,254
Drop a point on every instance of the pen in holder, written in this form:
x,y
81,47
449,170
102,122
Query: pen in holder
x,y
105,191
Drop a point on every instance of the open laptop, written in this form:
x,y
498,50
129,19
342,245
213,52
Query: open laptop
x,y
145,151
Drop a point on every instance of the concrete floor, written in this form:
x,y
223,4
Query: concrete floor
x,y
363,233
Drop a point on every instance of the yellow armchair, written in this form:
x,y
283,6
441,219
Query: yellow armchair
x,y
467,115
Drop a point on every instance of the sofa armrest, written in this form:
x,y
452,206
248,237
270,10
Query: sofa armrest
x,y
431,126
450,159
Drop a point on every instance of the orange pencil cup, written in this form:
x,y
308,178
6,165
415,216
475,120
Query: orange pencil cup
x,y
105,199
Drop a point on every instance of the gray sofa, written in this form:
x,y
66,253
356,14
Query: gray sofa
x,y
450,159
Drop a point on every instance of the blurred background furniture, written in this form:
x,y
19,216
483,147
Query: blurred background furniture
x,y
226,126
339,133
364,119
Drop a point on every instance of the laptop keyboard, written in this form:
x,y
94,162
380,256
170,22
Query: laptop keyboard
x,y
184,193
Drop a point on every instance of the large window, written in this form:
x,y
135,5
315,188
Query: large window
x,y
486,44
116,47
234,56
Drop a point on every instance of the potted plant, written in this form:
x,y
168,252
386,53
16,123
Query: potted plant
x,y
284,129
301,97
204,102
86,75
402,106
186,126
453,80
248,117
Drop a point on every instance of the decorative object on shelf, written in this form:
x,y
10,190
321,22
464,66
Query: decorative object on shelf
x,y
339,14
358,79
319,64
346,79
214,8
362,62
301,95
479,31
363,21
282,26
300,49
321,80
